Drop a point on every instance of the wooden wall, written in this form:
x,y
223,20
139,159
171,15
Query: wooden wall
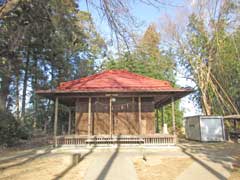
x,y
100,116
81,116
124,116
148,116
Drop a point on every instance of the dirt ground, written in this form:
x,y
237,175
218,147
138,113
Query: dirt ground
x,y
235,174
43,166
157,167
32,163
236,170
217,152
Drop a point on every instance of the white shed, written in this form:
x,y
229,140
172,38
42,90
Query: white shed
x,y
205,128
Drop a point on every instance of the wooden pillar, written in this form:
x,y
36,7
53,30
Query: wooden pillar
x,y
157,123
140,115
173,117
110,116
69,121
76,116
162,118
133,105
89,116
55,122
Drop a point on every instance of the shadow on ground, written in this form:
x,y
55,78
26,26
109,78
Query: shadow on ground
x,y
31,156
76,159
108,165
220,152
104,171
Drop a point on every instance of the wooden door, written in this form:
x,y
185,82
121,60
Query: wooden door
x,y
101,116
125,113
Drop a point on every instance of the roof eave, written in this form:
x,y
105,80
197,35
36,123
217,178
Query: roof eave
x,y
110,91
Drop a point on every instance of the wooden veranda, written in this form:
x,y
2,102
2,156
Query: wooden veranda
x,y
114,107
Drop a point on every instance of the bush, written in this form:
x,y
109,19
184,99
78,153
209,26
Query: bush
x,y
25,130
8,129
11,131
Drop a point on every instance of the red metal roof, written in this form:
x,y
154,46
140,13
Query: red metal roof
x,y
117,81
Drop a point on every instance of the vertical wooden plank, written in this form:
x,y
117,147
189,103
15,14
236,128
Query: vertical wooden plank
x,y
134,116
89,116
173,117
92,117
110,116
69,121
55,122
157,123
76,115
162,109
140,115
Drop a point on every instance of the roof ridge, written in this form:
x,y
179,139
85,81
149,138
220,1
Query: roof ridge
x,y
135,74
75,81
87,77
147,77
83,80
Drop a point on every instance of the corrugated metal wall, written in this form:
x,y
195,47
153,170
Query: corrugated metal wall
x,y
192,128
212,128
205,128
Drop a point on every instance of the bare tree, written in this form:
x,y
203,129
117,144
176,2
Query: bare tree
x,y
117,14
210,17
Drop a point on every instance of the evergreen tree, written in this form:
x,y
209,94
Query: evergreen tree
x,y
43,43
149,60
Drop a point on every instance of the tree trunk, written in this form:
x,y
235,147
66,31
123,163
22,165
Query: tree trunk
x,y
206,105
35,100
17,98
25,80
47,120
4,91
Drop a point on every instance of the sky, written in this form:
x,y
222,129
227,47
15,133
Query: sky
x,y
147,15
152,15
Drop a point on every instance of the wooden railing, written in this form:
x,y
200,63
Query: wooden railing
x,y
157,139
71,140
123,139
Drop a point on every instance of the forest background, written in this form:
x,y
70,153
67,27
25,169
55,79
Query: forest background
x,y
42,43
